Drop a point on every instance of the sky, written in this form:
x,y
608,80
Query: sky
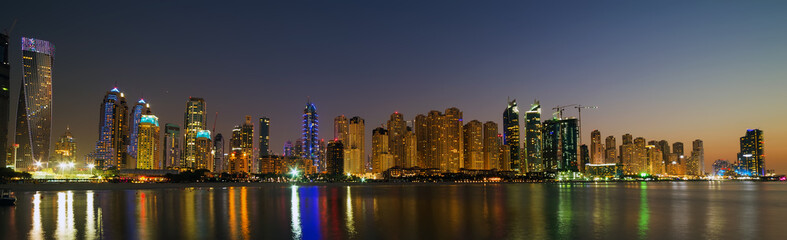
x,y
671,70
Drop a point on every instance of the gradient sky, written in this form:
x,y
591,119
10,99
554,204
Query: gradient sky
x,y
672,70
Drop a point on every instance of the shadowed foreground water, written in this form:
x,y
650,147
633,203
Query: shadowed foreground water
x,y
670,210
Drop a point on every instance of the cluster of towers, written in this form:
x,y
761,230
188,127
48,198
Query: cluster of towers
x,y
638,156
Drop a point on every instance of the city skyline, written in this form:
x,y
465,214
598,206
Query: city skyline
x,y
696,109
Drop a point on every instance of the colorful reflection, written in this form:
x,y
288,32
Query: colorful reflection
x,y
295,204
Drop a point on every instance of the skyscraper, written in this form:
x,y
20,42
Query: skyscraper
x,y
195,120
611,153
665,151
148,143
341,128
310,138
397,128
410,148
141,108
423,150
34,114
265,137
655,160
491,146
354,148
677,147
171,148
561,143
511,132
112,132
381,159
640,160
243,139
596,148
627,154
751,159
219,163
335,158
584,157
533,135
473,145
5,91
66,147
698,156
437,140
203,151
454,139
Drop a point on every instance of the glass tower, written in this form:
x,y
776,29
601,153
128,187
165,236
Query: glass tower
x,y
34,115
195,120
311,142
112,131
533,138
511,132
141,108
751,159
561,145
265,138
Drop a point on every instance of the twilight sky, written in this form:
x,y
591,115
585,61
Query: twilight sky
x,y
672,70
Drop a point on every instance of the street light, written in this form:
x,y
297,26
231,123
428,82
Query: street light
x,y
91,166
294,172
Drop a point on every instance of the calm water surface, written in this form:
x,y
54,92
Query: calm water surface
x,y
679,210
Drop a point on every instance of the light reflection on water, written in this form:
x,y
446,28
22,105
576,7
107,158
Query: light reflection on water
x,y
435,211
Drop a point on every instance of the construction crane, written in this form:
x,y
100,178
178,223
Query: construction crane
x,y
215,119
579,110
559,110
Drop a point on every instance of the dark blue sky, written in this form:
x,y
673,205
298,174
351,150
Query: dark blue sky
x,y
671,70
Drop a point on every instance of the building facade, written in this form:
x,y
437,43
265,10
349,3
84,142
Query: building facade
x,y
112,141
335,158
511,132
354,147
171,147
195,120
533,138
139,109
310,148
66,147
34,114
148,150
474,145
751,158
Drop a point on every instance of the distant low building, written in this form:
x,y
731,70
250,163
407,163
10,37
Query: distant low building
x,y
604,170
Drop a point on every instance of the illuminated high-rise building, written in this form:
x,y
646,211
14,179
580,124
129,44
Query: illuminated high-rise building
x,y
665,150
421,127
310,137
561,143
148,155
203,151
334,158
437,140
112,132
511,132
596,148
640,157
243,139
381,159
219,162
533,138
751,159
195,120
697,167
341,128
611,152
5,93
34,114
410,148
397,128
454,140
584,157
139,109
491,147
504,159
66,147
265,137
473,145
677,147
171,148
655,160
627,154
354,147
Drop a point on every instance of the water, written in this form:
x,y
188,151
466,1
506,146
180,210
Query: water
x,y
669,210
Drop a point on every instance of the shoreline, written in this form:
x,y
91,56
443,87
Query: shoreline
x,y
32,187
